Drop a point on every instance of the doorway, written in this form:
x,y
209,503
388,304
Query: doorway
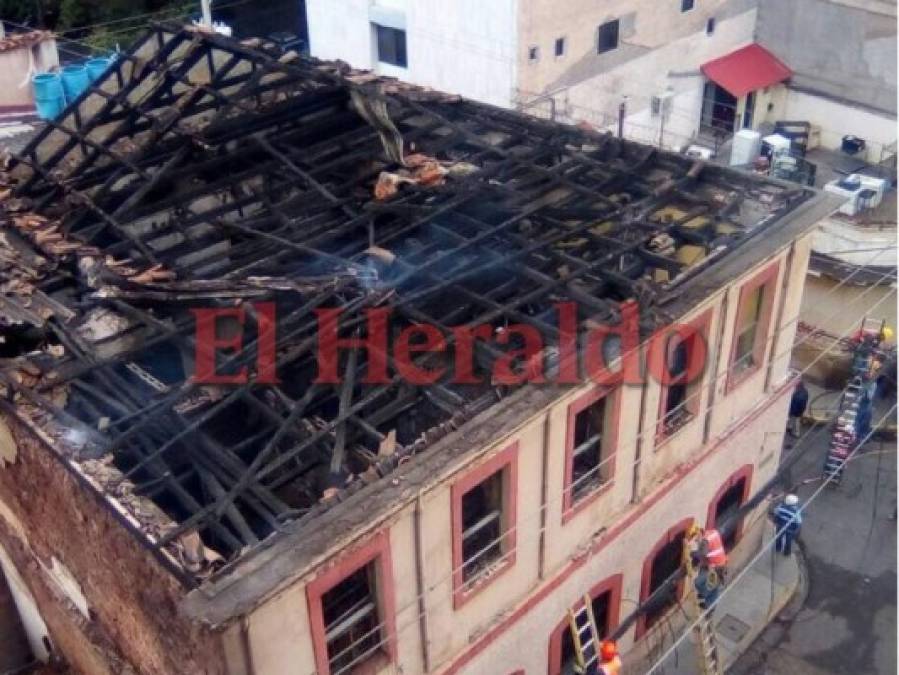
x,y
719,109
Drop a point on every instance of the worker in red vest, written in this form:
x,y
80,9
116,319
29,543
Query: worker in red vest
x,y
708,543
610,661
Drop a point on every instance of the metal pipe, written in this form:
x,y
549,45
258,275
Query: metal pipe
x,y
420,585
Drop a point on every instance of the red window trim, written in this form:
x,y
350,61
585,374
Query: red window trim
x,y
744,471
505,459
609,584
377,549
645,580
702,324
768,278
569,509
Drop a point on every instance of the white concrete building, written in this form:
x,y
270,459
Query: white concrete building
x,y
580,62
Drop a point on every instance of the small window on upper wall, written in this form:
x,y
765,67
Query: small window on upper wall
x,y
560,46
589,448
533,54
748,331
686,354
483,522
710,25
482,526
352,612
750,337
607,38
391,45
687,5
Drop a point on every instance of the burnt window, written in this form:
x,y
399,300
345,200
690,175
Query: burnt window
x,y
680,395
665,562
687,5
726,507
710,26
483,525
602,605
351,617
590,465
391,45
607,39
560,46
748,330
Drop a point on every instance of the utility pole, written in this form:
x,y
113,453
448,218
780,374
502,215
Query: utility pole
x,y
622,110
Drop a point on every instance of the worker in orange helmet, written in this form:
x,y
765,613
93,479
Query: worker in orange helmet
x,y
708,543
610,661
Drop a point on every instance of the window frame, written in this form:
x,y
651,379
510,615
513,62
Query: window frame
x,y
506,460
377,551
379,27
710,25
646,576
570,507
766,279
684,9
743,473
702,325
599,31
613,585
535,50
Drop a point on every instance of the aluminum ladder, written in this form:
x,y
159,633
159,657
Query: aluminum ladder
x,y
856,396
704,629
584,635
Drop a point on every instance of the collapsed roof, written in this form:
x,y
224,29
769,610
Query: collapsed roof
x,y
200,172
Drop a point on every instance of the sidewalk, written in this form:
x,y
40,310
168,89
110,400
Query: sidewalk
x,y
762,592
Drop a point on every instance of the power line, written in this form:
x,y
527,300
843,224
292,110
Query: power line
x,y
830,477
515,528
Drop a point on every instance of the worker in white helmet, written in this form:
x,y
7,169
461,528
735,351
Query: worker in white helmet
x,y
788,520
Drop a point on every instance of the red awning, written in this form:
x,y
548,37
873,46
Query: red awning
x,y
747,69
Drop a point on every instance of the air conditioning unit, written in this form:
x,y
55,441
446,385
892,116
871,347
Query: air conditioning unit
x,y
775,145
699,152
861,192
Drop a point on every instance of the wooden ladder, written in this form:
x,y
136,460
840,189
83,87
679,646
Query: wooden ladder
x,y
704,628
584,635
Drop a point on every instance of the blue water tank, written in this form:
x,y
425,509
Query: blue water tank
x,y
96,67
74,81
49,99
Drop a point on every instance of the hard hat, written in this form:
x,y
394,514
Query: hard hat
x,y
693,531
608,650
791,500
887,333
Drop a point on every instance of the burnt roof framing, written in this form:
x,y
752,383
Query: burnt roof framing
x,y
251,178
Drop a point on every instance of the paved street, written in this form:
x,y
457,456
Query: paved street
x,y
845,619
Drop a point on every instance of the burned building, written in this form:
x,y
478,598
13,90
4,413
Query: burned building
x,y
284,367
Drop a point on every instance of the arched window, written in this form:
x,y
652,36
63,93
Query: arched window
x,y
732,494
663,561
606,607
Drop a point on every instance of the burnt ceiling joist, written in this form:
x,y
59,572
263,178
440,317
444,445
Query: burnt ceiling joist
x,y
204,173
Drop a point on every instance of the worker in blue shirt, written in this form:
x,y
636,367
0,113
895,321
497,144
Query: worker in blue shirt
x,y
788,521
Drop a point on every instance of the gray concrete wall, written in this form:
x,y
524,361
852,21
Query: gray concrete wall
x,y
845,50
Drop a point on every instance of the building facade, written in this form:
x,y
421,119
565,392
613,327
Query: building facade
x,y
285,523
646,62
